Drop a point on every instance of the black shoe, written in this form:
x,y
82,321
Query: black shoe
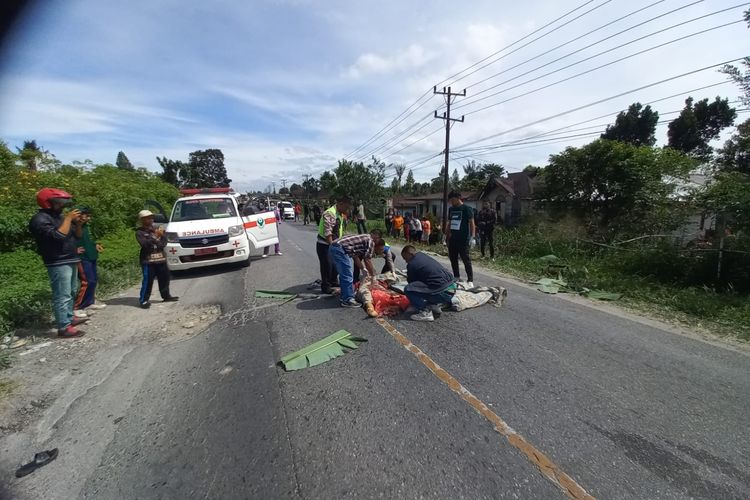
x,y
436,311
172,298
145,305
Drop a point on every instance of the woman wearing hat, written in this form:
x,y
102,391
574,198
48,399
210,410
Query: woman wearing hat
x,y
153,261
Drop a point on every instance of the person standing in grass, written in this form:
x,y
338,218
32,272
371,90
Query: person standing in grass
x,y
55,236
426,230
88,250
398,221
486,227
361,218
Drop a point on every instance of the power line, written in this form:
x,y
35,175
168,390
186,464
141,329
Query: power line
x,y
400,137
391,124
595,69
526,44
600,101
580,49
599,53
607,115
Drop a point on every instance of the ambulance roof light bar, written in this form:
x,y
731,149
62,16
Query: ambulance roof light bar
x,y
216,190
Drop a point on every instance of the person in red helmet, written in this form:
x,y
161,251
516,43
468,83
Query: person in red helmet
x,y
56,238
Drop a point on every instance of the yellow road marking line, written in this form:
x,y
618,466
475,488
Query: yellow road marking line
x,y
550,470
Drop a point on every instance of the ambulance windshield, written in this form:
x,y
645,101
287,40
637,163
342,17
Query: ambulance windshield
x,y
203,208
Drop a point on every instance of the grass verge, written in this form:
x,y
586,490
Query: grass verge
x,y
25,300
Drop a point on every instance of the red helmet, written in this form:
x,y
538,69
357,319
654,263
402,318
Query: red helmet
x,y
46,196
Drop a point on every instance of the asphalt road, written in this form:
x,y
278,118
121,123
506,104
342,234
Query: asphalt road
x,y
621,408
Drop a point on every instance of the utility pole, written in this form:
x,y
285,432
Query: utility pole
x,y
307,194
447,117
274,187
283,183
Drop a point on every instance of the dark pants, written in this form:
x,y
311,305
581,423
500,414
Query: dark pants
x,y
88,276
361,226
456,249
486,237
151,271
421,300
327,270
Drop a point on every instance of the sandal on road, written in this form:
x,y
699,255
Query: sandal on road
x,y
40,459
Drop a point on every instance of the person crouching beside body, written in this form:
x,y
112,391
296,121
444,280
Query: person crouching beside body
x,y
430,284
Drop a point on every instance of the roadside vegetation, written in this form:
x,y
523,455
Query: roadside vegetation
x,y
115,195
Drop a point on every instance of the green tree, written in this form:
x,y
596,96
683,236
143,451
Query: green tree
x,y
311,186
7,159
736,75
735,155
409,183
436,183
635,126
532,170
123,162
698,125
284,190
205,169
728,195
31,155
476,176
296,190
396,183
171,170
455,180
328,183
617,187
359,181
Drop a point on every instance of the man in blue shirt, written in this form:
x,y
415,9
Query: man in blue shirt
x,y
430,284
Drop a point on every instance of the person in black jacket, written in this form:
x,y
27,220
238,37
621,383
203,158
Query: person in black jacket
x,y
56,238
153,262
430,284
486,228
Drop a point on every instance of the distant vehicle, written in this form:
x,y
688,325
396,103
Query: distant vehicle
x,y
286,210
206,228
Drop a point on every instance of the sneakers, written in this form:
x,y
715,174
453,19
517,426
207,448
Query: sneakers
x,y
145,305
279,253
78,313
78,321
69,332
469,285
97,306
436,311
171,298
350,303
264,256
425,315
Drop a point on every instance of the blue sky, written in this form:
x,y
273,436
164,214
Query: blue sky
x,y
286,87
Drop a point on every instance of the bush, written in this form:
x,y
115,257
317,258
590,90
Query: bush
x,y
26,297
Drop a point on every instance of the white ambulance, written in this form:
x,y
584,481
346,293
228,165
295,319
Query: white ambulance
x,y
206,228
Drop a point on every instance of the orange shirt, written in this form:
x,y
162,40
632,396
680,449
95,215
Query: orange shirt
x,y
426,226
398,221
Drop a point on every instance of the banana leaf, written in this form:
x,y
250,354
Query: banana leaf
x,y
321,351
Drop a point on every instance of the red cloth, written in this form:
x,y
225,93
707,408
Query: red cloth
x,y
388,302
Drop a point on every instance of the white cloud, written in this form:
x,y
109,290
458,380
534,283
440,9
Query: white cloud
x,y
414,56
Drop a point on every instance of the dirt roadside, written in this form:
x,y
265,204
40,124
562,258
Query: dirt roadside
x,y
50,375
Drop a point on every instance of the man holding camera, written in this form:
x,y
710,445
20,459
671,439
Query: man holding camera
x,y
153,262
56,235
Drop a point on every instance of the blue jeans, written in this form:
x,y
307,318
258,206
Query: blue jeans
x,y
420,300
345,268
89,279
64,281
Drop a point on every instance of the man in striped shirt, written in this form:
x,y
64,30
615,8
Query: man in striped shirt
x,y
359,248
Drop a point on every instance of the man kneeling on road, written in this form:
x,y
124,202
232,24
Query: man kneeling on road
x,y
430,284
360,248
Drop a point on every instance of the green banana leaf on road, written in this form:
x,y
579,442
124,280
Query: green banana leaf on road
x,y
321,351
